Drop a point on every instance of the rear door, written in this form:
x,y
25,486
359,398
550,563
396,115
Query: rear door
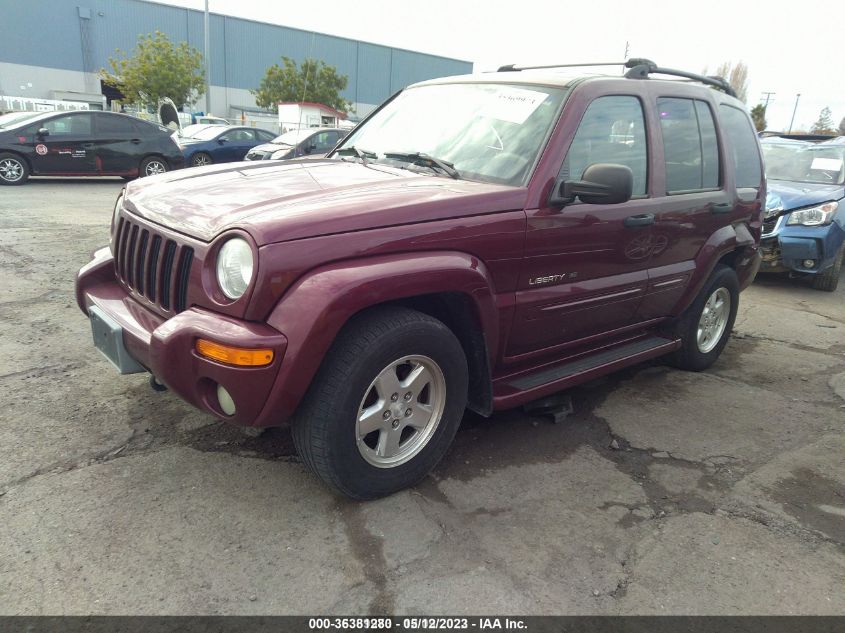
x,y
68,148
692,200
585,268
119,145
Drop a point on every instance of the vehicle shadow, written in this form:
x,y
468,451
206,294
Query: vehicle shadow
x,y
87,180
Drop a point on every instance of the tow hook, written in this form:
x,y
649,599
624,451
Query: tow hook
x,y
156,385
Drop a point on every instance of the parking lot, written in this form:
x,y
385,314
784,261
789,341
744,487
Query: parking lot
x,y
665,492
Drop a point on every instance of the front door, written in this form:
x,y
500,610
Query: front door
x,y
585,268
68,147
236,144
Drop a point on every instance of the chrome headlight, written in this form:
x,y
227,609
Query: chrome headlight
x,y
234,267
814,216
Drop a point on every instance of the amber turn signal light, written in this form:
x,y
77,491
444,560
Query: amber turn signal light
x,y
234,355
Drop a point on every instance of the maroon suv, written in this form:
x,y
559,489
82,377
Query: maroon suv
x,y
477,242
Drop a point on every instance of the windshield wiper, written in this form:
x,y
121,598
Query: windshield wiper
x,y
421,158
363,154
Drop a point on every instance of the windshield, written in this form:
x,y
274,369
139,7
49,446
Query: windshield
x,y
821,164
204,133
488,132
291,138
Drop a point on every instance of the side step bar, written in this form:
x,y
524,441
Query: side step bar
x,y
516,390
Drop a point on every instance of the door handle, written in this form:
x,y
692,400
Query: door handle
x,y
643,219
721,207
136,141
87,145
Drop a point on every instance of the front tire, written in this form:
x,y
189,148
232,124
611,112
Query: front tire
x,y
705,327
385,405
14,170
152,166
201,159
829,279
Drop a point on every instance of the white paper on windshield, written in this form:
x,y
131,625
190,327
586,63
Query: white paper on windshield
x,y
827,164
513,104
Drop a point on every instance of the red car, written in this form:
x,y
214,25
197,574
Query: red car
x,y
477,242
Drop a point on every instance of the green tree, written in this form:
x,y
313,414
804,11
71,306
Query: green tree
x,y
157,69
312,81
758,115
824,124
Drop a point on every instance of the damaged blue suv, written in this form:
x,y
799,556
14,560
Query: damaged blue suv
x,y
804,221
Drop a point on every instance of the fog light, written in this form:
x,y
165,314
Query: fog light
x,y
227,405
809,263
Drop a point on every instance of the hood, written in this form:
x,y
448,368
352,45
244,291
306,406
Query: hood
x,y
288,200
784,195
168,114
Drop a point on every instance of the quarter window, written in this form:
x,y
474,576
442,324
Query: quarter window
x,y
612,131
689,145
743,143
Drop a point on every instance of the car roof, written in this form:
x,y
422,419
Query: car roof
x,y
561,80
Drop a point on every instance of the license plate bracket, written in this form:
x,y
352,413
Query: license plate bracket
x,y
108,338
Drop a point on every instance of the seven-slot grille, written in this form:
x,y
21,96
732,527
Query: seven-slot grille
x,y
152,265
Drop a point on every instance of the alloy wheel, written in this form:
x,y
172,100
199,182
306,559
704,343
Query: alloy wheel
x,y
11,170
155,167
713,320
400,411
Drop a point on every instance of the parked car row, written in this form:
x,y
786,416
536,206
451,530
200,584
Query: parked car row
x,y
95,143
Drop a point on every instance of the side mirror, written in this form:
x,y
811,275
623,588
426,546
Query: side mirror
x,y
601,183
42,132
221,141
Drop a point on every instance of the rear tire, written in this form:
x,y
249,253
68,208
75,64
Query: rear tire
x,y
14,170
829,279
152,166
353,429
705,327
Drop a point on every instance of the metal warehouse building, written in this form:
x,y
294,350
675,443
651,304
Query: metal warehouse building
x,y
53,49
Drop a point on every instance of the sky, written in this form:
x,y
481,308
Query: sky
x,y
789,48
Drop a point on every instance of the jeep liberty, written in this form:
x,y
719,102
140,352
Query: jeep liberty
x,y
476,242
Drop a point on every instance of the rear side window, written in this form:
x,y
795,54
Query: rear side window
x,y
612,131
114,124
689,145
743,144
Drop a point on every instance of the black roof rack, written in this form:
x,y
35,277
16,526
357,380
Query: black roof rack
x,y
638,69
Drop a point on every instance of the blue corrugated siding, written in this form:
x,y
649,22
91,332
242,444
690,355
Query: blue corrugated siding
x,y
47,33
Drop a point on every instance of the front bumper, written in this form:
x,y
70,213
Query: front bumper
x,y
166,347
791,246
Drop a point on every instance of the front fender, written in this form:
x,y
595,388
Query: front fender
x,y
315,308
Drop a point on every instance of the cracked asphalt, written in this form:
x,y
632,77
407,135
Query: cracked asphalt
x,y
664,492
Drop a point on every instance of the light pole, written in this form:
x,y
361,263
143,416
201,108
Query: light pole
x,y
207,58
794,110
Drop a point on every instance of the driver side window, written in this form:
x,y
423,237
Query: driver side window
x,y
611,131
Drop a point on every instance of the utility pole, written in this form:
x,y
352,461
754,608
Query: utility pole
x,y
768,96
794,110
207,56
626,55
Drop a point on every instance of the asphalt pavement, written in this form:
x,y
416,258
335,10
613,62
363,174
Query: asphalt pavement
x,y
720,492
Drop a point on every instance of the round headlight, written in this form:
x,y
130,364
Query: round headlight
x,y
234,267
